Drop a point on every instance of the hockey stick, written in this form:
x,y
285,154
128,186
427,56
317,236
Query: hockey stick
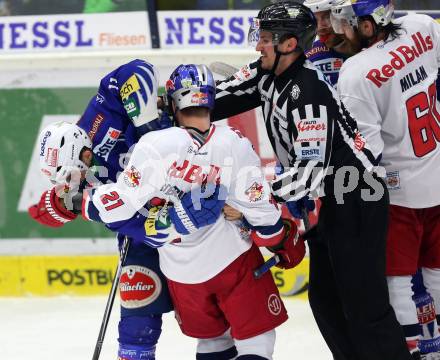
x,y
274,260
222,68
122,258
111,298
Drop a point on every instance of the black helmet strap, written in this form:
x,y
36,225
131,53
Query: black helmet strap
x,y
278,57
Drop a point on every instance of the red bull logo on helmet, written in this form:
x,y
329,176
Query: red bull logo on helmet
x,y
199,98
169,85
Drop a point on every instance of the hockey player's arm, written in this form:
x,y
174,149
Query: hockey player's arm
x,y
436,33
239,93
435,30
138,92
250,194
140,182
50,210
359,103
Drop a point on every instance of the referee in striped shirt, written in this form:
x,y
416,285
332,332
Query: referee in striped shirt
x,y
324,156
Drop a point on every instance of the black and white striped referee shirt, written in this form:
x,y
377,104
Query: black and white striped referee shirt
x,y
310,130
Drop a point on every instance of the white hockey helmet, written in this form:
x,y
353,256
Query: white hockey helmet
x,y
342,15
60,147
319,5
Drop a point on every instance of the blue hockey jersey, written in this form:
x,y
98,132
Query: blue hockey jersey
x,y
327,60
124,108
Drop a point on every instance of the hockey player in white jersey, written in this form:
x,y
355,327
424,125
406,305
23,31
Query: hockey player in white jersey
x,y
210,269
390,89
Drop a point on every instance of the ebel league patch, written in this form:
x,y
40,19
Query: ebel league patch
x,y
393,180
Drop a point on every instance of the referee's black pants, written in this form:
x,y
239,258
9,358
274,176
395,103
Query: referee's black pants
x,y
348,292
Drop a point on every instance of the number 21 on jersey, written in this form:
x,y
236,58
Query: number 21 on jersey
x,y
112,200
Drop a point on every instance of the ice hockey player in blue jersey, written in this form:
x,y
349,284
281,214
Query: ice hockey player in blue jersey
x,y
124,109
330,49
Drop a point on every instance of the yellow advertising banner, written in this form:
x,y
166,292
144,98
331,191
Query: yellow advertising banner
x,y
56,275
93,275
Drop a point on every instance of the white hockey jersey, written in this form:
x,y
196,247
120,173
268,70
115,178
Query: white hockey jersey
x,y
390,90
171,161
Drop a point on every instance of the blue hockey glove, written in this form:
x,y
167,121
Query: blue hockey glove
x,y
198,208
152,228
296,207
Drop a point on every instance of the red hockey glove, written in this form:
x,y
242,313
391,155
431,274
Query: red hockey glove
x,y
49,211
286,243
291,249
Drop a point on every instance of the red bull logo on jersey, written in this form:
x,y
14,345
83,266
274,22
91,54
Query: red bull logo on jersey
x,y
400,57
132,177
255,192
138,286
195,174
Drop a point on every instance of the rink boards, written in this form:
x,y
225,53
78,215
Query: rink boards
x,y
52,275
57,263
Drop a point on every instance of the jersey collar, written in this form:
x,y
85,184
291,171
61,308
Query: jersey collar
x,y
199,139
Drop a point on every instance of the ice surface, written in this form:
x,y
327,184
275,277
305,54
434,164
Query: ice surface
x,y
66,328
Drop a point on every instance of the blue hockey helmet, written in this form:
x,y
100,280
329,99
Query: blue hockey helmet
x,y
191,86
380,10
